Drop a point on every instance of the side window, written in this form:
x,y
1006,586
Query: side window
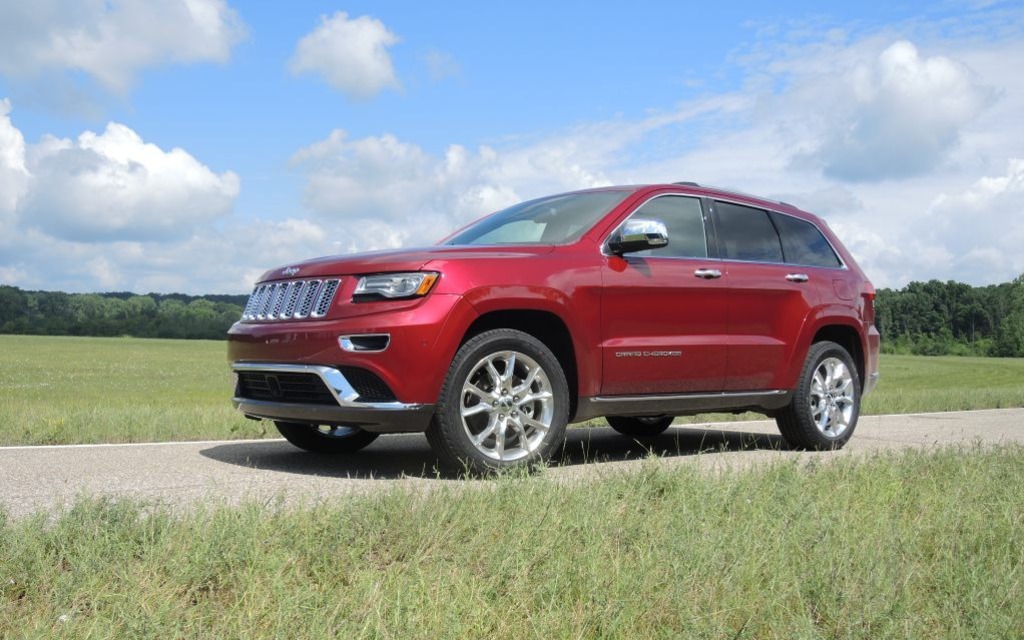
x,y
804,244
745,233
684,222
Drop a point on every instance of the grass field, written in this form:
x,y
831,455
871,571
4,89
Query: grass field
x,y
907,545
60,390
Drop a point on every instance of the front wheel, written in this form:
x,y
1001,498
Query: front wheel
x,y
504,403
324,438
826,404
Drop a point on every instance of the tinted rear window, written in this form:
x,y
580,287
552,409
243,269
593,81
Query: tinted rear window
x,y
745,233
804,244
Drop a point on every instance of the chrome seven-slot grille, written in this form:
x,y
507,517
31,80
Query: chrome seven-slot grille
x,y
292,300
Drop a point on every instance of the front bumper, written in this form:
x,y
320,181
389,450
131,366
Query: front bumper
x,y
383,417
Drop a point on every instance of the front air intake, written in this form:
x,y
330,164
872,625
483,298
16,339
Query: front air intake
x,y
290,300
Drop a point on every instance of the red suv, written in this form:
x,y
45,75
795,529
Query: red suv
x,y
635,303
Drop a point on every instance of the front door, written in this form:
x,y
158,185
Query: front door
x,y
664,311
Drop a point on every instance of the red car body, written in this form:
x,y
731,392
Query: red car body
x,y
635,335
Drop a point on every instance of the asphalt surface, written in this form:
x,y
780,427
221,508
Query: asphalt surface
x,y
231,471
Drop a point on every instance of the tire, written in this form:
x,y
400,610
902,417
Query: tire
x,y
826,404
640,426
325,439
482,422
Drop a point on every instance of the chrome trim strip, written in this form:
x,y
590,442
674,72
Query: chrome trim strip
x,y
337,384
346,342
693,396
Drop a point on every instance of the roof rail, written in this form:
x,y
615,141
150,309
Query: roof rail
x,y
687,183
746,195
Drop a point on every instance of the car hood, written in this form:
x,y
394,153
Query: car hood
x,y
396,260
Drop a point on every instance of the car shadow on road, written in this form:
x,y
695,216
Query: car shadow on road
x,y
408,455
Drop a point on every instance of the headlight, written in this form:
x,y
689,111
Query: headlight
x,y
392,286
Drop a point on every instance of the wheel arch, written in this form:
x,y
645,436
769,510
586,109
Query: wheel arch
x,y
848,338
546,326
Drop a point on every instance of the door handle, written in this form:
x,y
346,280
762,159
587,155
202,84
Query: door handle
x,y
707,274
797,277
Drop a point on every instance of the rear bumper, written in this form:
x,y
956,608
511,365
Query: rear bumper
x,y
383,417
874,347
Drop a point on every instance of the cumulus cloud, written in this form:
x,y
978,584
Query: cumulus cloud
x,y
983,226
112,40
115,186
897,115
13,174
226,258
400,194
349,54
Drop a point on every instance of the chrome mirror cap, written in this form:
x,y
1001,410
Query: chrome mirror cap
x,y
638,235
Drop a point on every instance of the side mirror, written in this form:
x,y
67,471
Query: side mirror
x,y
638,235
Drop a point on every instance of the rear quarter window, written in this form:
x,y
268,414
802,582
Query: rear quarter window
x,y
803,243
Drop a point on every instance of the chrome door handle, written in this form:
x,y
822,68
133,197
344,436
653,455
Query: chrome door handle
x,y
797,277
707,274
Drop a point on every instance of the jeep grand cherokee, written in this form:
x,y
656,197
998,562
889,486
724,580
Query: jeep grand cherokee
x,y
633,303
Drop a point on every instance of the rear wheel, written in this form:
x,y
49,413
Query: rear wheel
x,y
325,438
640,426
504,403
826,405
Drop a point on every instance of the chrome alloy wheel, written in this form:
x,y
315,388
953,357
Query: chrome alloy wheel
x,y
832,397
507,406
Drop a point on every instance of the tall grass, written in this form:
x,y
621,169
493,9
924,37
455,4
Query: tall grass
x,y
62,390
897,545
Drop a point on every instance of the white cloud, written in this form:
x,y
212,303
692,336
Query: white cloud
x,y
893,116
389,192
214,259
115,186
13,174
983,227
112,40
350,54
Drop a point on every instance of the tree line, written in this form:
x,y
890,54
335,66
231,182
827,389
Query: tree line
x,y
118,314
952,318
923,318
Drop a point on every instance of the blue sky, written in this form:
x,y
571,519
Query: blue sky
x,y
187,146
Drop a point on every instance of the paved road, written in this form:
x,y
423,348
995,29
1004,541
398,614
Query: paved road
x,y
35,478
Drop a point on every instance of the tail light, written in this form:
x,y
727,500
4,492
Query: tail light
x,y
869,306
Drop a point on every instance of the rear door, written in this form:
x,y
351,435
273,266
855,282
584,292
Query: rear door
x,y
663,311
768,300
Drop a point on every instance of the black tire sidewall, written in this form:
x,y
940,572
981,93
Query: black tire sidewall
x,y
635,427
308,438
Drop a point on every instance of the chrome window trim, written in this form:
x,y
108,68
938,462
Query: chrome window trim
x,y
842,263
703,220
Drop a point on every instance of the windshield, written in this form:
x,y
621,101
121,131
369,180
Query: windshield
x,y
552,220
